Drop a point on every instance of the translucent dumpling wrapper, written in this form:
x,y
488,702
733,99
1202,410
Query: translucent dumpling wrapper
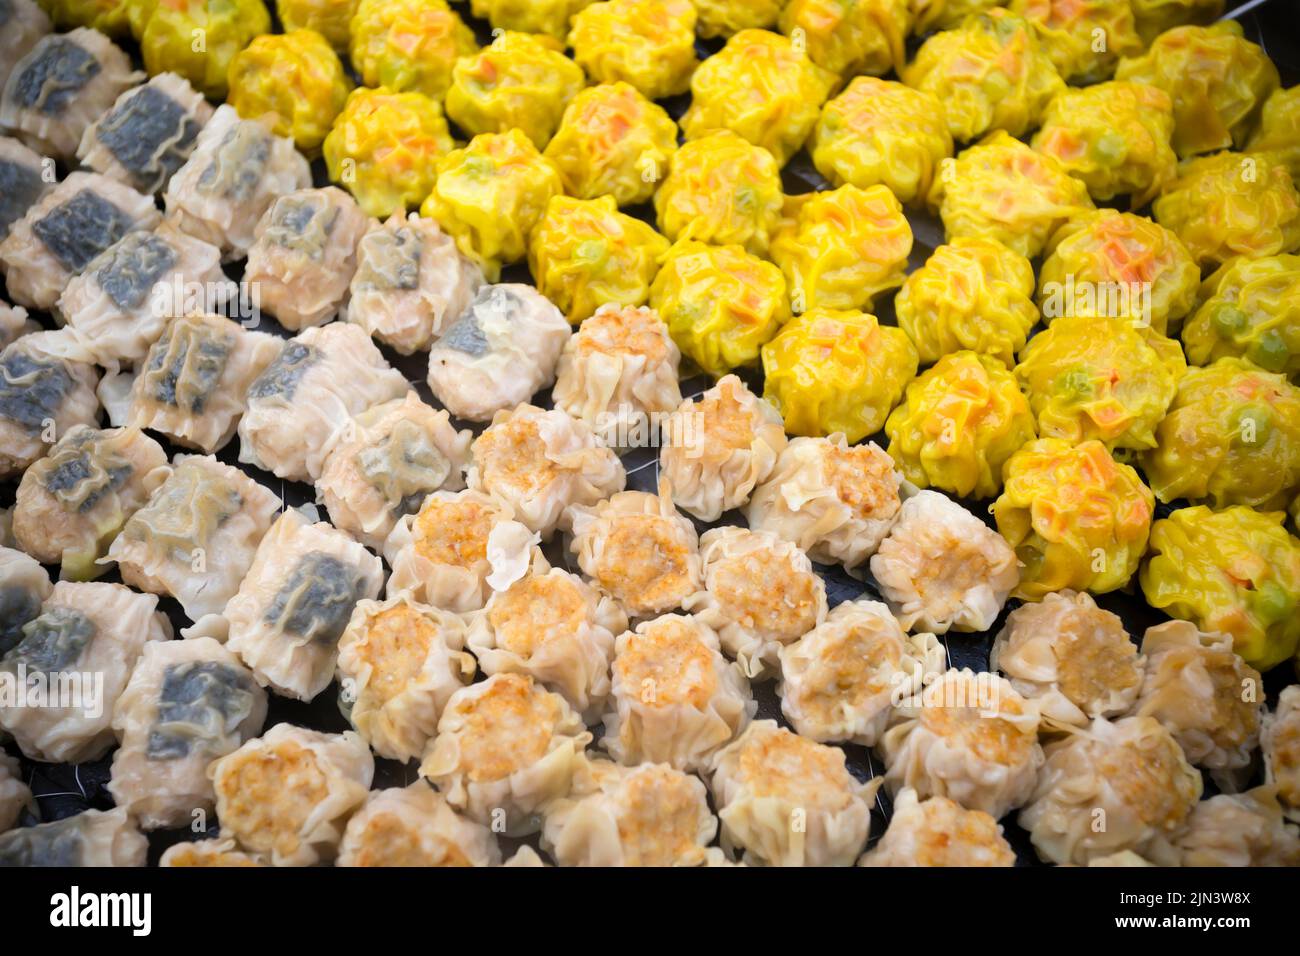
x,y
286,796
90,838
411,283
1249,308
760,595
1072,33
675,700
396,454
1156,16
1001,189
415,826
60,87
1280,746
489,195
187,703
506,749
721,304
762,88
166,31
1236,571
222,851
329,18
47,386
237,169
722,18
939,832
24,23
720,445
77,655
105,16
24,586
973,293
304,255
945,14
15,795
550,17
399,663
1070,657
300,405
408,44
14,324
1243,829
1112,787
385,146
72,503
1076,517
841,680
836,372
848,36
296,601
647,43
501,350
197,536
65,231
613,141
24,178
1231,437
881,132
834,501
1278,133
521,81
784,800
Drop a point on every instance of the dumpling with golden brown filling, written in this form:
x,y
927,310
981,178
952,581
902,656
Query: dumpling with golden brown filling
x,y
1240,829
939,832
414,826
222,851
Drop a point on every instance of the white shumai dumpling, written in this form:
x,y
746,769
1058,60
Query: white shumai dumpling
x,y
966,736
83,645
1124,858
719,447
285,797
415,826
1203,692
62,85
542,463
123,300
303,255
618,374
674,698
197,536
941,568
24,586
14,794
22,23
1240,829
64,233
1280,744
387,462
506,749
72,503
648,815
939,832
638,549
554,627
835,501
303,402
458,542
91,838
399,663
500,351
788,801
47,387
295,602
842,680
220,852
24,175
188,703
1074,659
14,323
760,593
1122,785
411,283
236,170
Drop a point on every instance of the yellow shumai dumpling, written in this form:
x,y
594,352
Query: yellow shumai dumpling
x,y
585,253
409,44
840,249
762,88
1278,133
1114,136
972,293
612,141
1093,377
722,18
722,190
1072,30
297,78
166,33
958,424
649,44
946,14
721,304
385,148
1217,79
521,81
1249,308
1117,264
1154,17
550,17
878,131
1076,517
991,73
830,371
1001,189
850,36
330,18
106,16
489,195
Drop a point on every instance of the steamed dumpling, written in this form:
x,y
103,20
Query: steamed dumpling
x,y
25,177
14,794
91,838
415,826
939,832
1240,829
47,387
24,586
1280,744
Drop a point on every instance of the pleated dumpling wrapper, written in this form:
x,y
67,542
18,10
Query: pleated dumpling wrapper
x,y
1084,41
47,387
723,18
415,826
24,23
91,838
408,44
166,33
1278,133
14,321
849,37
221,851
25,177
14,794
1240,829
649,44
24,586
1280,745
1251,309
939,832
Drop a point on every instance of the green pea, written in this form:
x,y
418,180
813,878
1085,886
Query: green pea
x,y
1272,603
1110,149
1228,320
590,250
1269,351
